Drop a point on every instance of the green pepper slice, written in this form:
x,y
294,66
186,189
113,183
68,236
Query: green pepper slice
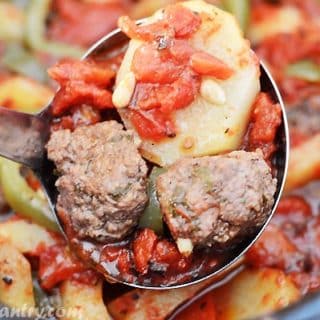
x,y
152,217
22,199
240,9
17,59
304,70
36,16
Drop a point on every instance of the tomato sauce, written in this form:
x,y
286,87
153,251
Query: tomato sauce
x,y
292,240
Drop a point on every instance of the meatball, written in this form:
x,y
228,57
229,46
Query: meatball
x,y
216,200
102,187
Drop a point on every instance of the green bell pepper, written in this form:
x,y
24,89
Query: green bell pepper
x,y
240,9
151,217
17,59
36,16
304,70
22,199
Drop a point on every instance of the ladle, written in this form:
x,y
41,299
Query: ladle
x,y
23,138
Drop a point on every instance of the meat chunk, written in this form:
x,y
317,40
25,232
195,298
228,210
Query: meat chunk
x,y
215,200
102,187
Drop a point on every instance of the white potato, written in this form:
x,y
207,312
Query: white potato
x,y
280,20
24,235
253,293
82,301
12,22
214,128
24,94
16,289
150,304
304,163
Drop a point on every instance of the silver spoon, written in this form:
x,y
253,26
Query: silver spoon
x,y
23,138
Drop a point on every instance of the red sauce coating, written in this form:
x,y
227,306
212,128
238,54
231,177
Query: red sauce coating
x,y
265,121
82,82
168,70
291,242
56,263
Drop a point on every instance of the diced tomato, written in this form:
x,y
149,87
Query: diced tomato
x,y
83,23
143,247
152,124
166,252
82,82
150,65
293,204
56,264
274,249
85,71
148,32
207,65
184,22
266,119
124,262
202,309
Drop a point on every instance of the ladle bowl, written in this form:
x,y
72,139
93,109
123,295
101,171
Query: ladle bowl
x,y
23,138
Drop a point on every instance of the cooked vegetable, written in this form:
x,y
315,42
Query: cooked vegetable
x,y
22,199
304,70
152,217
240,9
37,13
26,236
24,94
218,127
83,302
12,22
272,20
17,59
16,289
253,293
148,304
304,163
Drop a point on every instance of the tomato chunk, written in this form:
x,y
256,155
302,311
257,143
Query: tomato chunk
x,y
207,65
56,264
183,21
143,247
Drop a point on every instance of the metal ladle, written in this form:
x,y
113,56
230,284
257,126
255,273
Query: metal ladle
x,y
23,138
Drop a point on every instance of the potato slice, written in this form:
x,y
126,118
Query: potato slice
x,y
213,128
12,22
82,301
150,304
280,20
24,94
254,292
304,163
24,235
16,289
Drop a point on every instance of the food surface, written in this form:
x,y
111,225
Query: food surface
x,y
215,200
195,65
40,270
103,179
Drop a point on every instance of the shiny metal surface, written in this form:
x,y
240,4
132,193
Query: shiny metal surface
x,y
31,132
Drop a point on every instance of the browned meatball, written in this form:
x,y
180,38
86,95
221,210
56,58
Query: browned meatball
x,y
103,179
214,200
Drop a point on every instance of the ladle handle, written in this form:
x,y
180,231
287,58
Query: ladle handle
x,y
23,137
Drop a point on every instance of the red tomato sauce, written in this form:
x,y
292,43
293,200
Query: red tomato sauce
x,y
292,241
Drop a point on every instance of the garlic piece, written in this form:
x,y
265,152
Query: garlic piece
x,y
185,246
122,94
211,91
